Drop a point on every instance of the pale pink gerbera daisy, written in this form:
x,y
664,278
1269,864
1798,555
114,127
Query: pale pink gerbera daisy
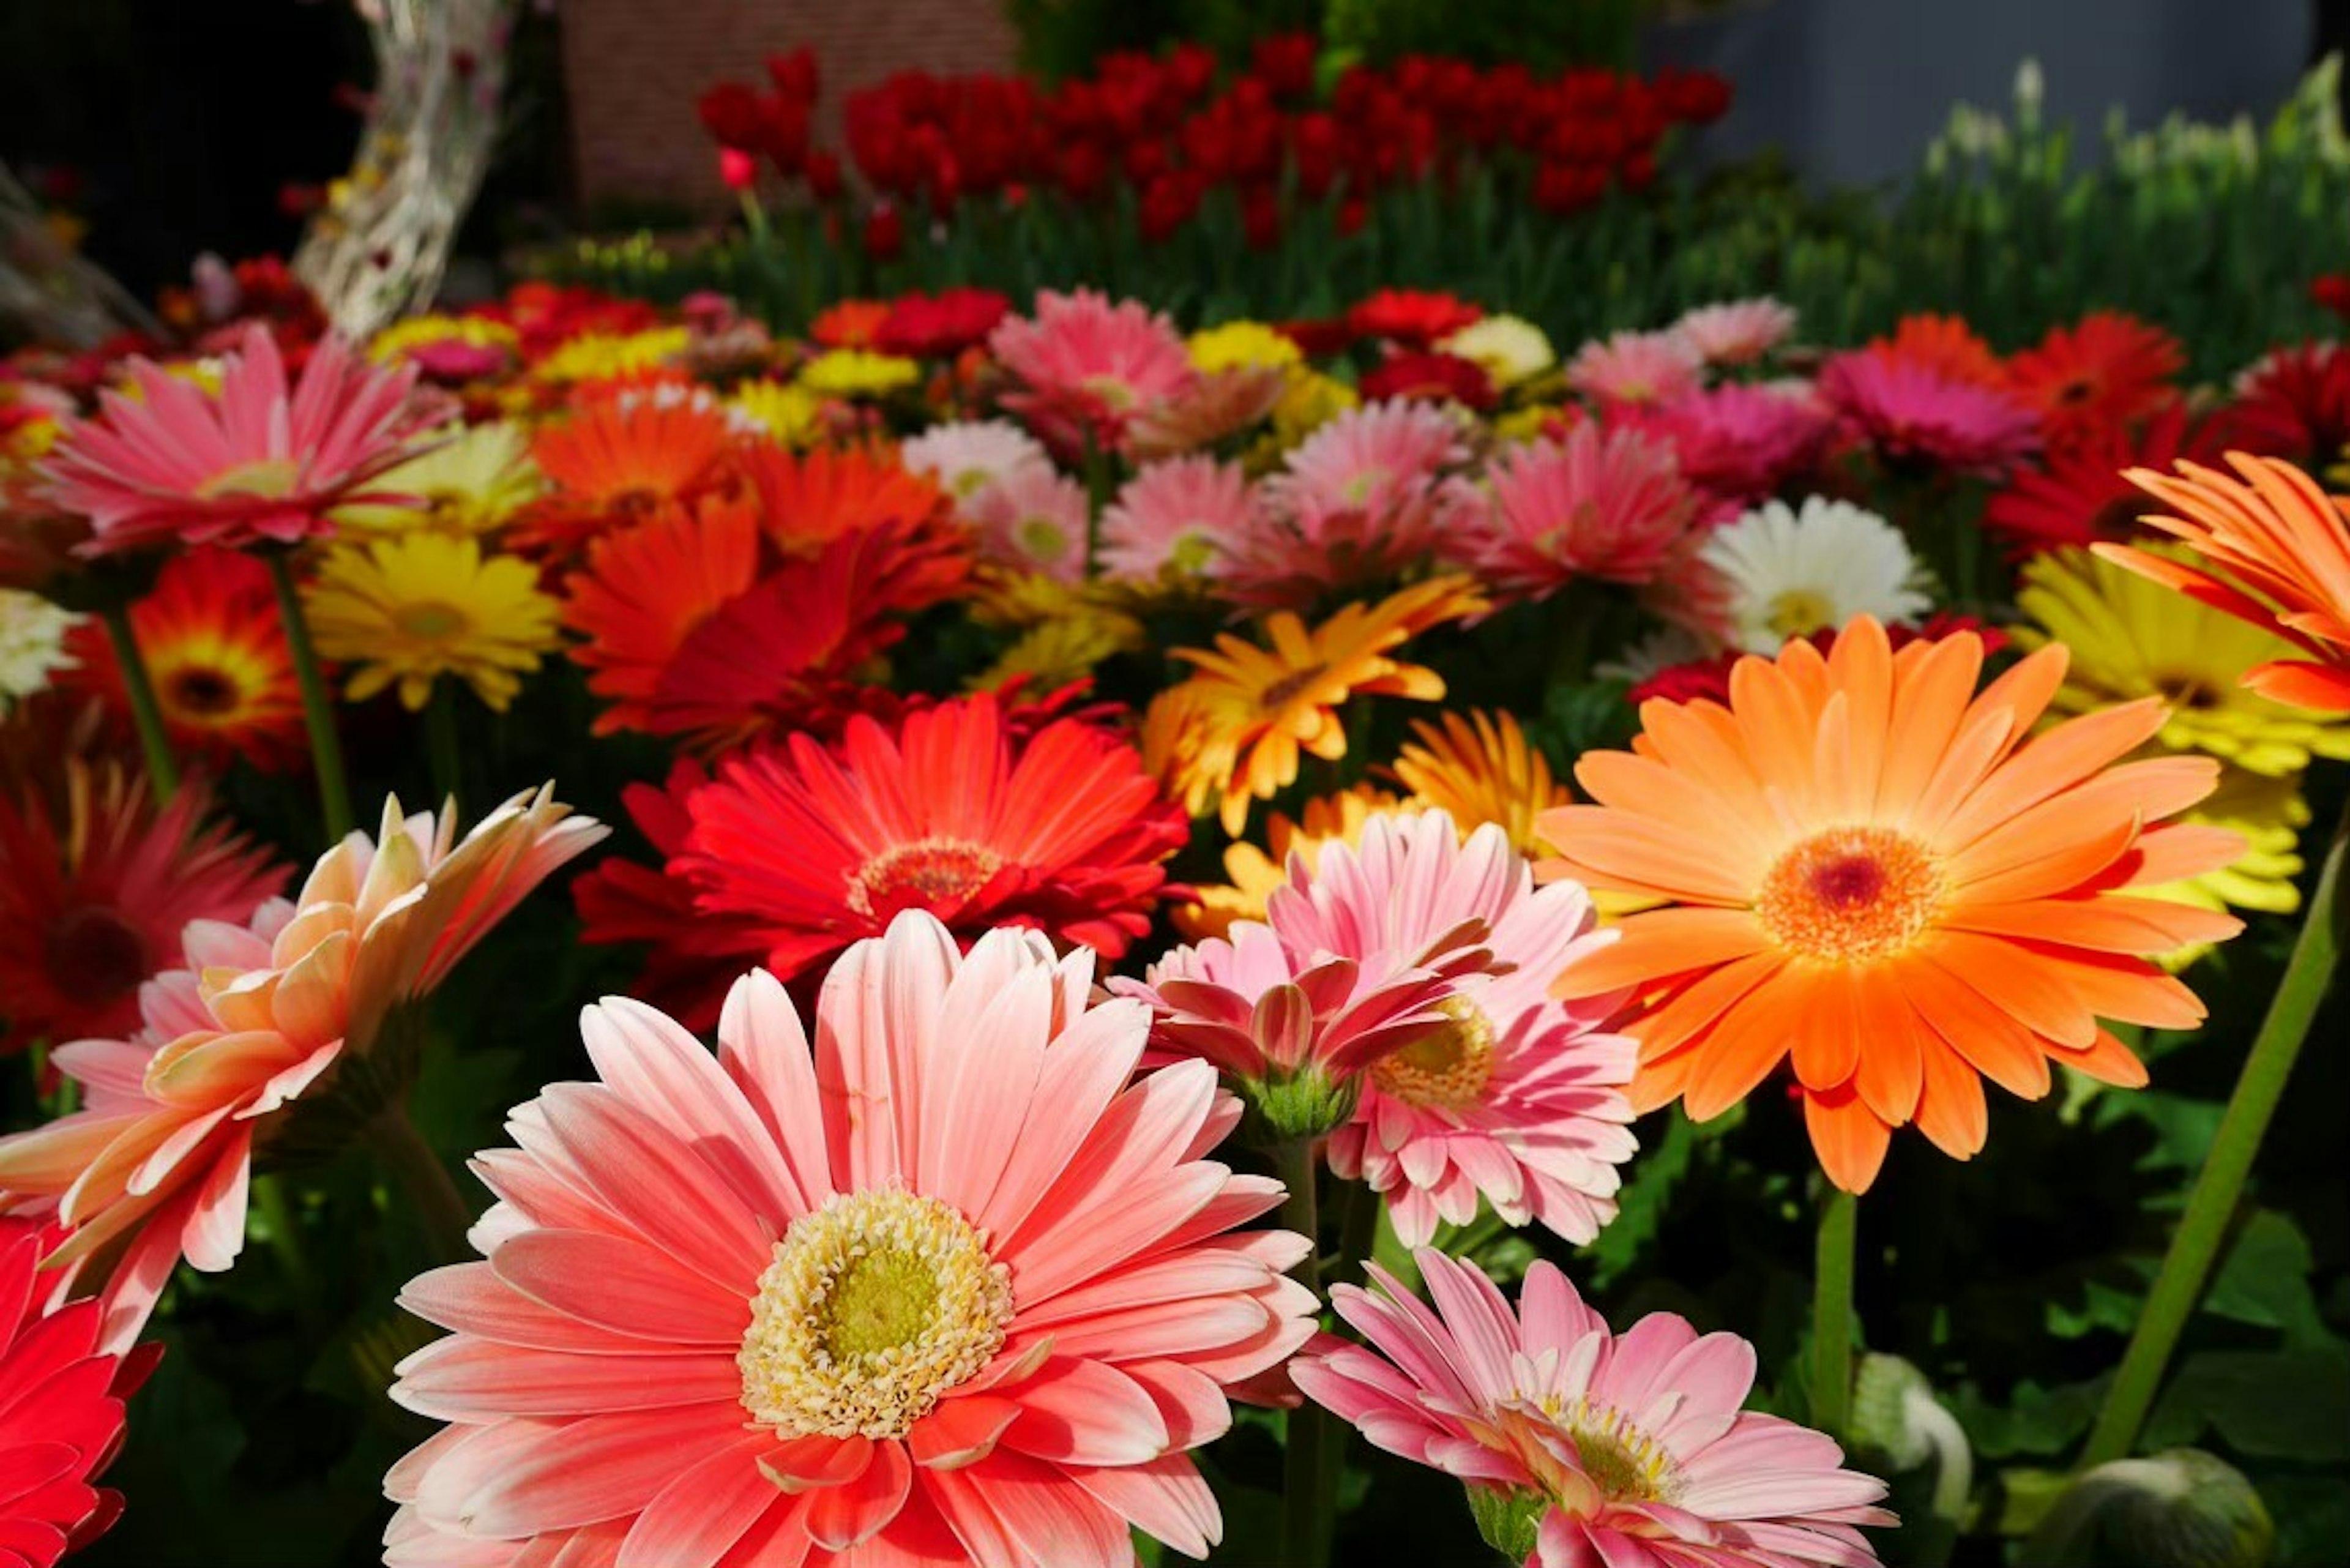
x,y
1742,442
1594,503
1086,367
162,1151
1368,495
1914,413
1580,1448
251,461
1736,333
1513,1095
1033,519
949,1287
1636,367
1206,411
1173,518
967,455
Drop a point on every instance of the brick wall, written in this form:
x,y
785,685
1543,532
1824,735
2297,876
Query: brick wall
x,y
632,69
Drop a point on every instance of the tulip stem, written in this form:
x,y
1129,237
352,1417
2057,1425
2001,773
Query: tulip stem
x,y
2203,1227
440,1207
318,705
146,713
1832,1317
1309,1486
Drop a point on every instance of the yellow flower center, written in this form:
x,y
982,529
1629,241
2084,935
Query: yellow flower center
x,y
1851,895
934,870
1041,538
1799,612
1280,694
1448,1066
1618,1458
1193,549
874,1305
430,620
270,476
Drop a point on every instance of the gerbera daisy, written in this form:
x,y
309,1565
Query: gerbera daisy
x,y
1434,378
1241,345
2274,551
471,482
1636,367
1239,726
1786,573
1255,872
1477,767
966,455
598,355
216,652
96,886
1510,349
1736,332
257,460
946,812
2133,636
2110,369
1205,410
1579,1447
924,327
1593,503
2294,404
646,588
809,499
855,373
1067,648
1512,1095
1084,367
1034,519
849,323
159,1156
1944,345
407,611
2083,493
923,1335
1309,401
1368,496
616,455
1414,318
61,1418
451,349
1914,413
32,644
1739,441
1900,915
2268,812
785,412
1172,518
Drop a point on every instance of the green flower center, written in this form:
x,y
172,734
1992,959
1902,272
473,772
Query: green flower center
x,y
1799,612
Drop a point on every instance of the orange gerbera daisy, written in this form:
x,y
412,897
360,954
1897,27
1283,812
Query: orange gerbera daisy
x,y
2278,549
1478,767
1868,865
1943,344
621,452
1239,725
646,588
811,500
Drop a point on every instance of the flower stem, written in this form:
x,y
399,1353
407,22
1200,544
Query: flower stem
x,y
1309,1486
318,706
441,752
1388,1252
146,713
284,1236
1100,484
440,1208
1832,1314
2212,1204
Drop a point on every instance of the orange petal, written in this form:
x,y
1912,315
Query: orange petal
x,y
1893,1040
1848,1137
1950,1109
2108,1061
2035,994
1673,1021
1997,1046
1741,1048
1659,943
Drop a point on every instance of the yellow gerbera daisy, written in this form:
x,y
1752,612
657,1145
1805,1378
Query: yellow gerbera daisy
x,y
1509,348
471,483
600,356
792,414
1059,651
857,373
2134,637
414,608
2268,810
1256,873
1241,345
1479,767
1238,727
1311,400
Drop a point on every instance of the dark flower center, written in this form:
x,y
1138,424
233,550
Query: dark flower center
x,y
95,956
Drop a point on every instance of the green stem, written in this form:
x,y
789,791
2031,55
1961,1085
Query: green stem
x,y
269,1196
1832,1314
441,752
440,1208
2212,1204
1388,1252
318,705
1309,1487
146,713
1100,486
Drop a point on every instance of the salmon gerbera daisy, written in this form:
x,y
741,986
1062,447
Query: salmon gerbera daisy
x,y
1865,865
728,1318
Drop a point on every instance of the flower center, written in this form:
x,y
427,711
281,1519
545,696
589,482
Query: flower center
x,y
269,477
429,620
1619,1458
929,871
2189,691
1851,895
1280,692
94,955
1448,1066
874,1306
201,693
1799,612
1193,549
1041,538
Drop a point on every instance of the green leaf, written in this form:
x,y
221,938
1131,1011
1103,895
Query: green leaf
x,y
2264,1281
2035,1421
2290,1404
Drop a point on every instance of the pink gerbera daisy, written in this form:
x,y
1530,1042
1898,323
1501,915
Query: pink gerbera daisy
x,y
1593,503
967,455
1033,519
1086,367
1738,332
944,1288
1739,441
1173,518
254,460
1367,495
1580,1448
1513,1094
1636,368
1914,413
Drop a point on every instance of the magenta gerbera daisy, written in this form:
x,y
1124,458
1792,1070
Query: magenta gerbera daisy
x,y
1739,441
1593,503
1912,412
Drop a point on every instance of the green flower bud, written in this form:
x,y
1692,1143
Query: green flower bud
x,y
2181,1509
1509,1520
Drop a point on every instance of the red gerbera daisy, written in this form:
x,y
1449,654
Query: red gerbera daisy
x,y
1431,378
2294,404
2110,370
2081,495
61,1415
1413,317
1945,345
922,327
849,323
96,886
646,588
215,650
946,812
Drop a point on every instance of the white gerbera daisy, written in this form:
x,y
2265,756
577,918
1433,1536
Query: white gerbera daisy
x,y
32,644
1509,349
1786,573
